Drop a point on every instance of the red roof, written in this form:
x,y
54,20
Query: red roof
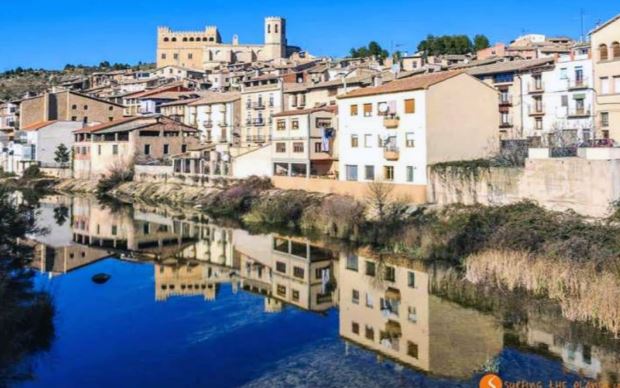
x,y
109,124
418,82
38,125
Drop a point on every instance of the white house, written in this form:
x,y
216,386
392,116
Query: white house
x,y
37,144
558,101
394,131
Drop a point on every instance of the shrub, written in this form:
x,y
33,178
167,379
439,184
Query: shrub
x,y
336,216
237,198
280,208
116,176
32,172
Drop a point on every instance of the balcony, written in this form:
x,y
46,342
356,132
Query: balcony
x,y
258,105
576,84
580,112
505,100
256,138
222,124
506,123
391,153
536,87
207,124
391,122
259,122
536,109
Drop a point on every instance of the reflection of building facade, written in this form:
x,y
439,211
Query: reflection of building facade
x,y
385,306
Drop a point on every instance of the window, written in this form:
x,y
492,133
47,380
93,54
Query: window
x,y
281,290
318,147
411,279
390,274
281,125
110,108
355,297
73,118
604,85
409,140
503,78
298,272
539,123
175,56
564,101
353,110
604,119
369,302
355,327
163,56
410,173
351,171
371,268
189,56
298,147
352,262
615,50
114,230
367,110
367,141
410,106
563,73
85,120
85,107
114,149
370,333
388,173
99,149
295,295
617,84
369,173
280,267
412,349
354,141
73,106
183,147
412,314
294,124
602,52
147,149
280,147
166,149
110,118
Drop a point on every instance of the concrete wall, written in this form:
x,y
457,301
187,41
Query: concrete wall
x,y
255,162
358,190
585,186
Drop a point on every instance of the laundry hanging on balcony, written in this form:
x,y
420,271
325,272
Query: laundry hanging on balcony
x,y
326,135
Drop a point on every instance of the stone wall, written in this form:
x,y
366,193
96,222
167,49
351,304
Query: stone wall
x,y
586,186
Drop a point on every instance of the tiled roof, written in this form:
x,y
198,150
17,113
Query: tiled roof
x,y
418,82
136,122
502,67
110,124
38,125
216,98
299,112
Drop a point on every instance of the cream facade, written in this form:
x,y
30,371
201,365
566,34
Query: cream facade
x,y
392,133
261,98
605,41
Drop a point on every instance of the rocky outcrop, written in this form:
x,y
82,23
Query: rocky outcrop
x,y
76,186
162,192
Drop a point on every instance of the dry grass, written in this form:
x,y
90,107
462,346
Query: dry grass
x,y
585,291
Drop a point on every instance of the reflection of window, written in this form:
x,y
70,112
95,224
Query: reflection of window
x,y
370,333
412,349
298,272
352,262
369,302
390,274
412,314
355,327
411,279
295,295
370,268
355,297
281,290
604,119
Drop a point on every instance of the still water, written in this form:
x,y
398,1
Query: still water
x,y
193,303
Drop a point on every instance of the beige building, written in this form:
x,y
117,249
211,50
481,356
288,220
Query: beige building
x,y
304,142
605,40
261,98
67,106
386,306
117,144
205,49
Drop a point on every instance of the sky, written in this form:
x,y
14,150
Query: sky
x,y
50,34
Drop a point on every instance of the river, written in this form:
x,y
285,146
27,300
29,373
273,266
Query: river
x,y
190,302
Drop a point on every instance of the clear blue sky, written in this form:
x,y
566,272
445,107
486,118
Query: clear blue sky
x,y
50,34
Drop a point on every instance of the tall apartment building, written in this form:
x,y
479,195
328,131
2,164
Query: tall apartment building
x,y
605,40
205,49
394,131
67,106
261,98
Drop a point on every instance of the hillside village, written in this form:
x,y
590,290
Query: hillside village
x,y
211,111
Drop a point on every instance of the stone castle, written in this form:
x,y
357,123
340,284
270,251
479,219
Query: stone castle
x,y
205,50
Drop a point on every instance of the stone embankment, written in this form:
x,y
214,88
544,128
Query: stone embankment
x,y
162,192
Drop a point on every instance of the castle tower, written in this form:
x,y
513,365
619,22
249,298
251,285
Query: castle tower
x,y
275,37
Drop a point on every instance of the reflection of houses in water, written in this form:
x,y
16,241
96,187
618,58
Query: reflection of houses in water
x,y
385,306
191,279
60,260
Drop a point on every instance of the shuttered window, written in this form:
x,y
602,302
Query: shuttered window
x,y
410,106
353,110
367,110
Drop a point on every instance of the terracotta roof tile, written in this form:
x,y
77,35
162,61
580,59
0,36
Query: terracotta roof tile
x,y
402,85
38,125
295,112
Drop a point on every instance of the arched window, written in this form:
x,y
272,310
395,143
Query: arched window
x,y
602,52
204,39
211,39
615,50
184,39
73,106
191,39
174,39
166,39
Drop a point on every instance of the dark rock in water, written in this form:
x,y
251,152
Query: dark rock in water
x,y
101,278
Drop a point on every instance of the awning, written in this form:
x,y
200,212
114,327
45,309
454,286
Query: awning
x,y
392,293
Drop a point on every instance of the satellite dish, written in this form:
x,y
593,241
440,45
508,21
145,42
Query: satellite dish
x,y
383,107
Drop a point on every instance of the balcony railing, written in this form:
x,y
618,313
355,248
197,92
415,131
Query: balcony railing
x,y
580,112
208,124
506,123
256,138
578,84
258,105
391,152
536,109
505,99
536,87
259,122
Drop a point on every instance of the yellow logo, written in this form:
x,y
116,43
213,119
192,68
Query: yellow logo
x,y
490,380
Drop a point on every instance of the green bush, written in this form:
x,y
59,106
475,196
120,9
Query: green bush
x,y
32,172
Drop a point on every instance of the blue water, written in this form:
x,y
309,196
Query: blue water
x,y
117,334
